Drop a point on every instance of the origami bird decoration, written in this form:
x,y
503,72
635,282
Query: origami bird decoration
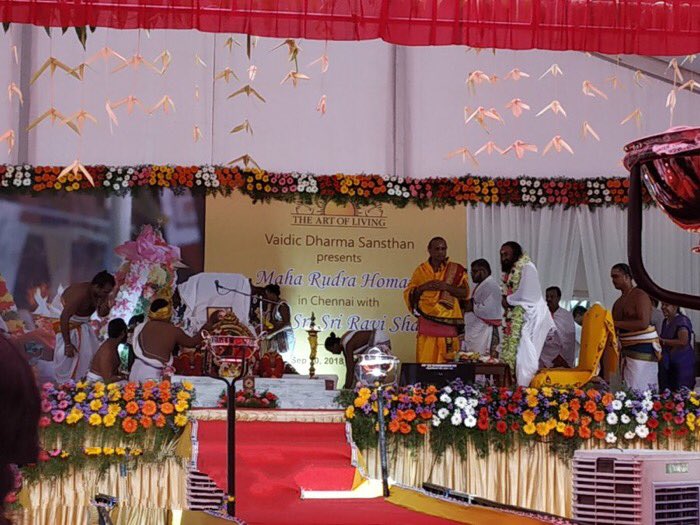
x,y
677,76
323,61
689,58
558,144
475,78
636,115
690,85
517,107
246,160
589,89
520,148
52,64
614,82
196,134
230,42
640,78
80,69
465,153
15,54
248,90
165,59
553,70
13,88
75,168
293,50
226,75
321,106
295,77
129,101
136,61
480,115
243,126
587,130
9,137
79,118
252,71
199,62
53,115
166,103
489,148
105,54
555,107
516,74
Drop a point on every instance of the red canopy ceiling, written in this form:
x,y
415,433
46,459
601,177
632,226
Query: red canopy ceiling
x,y
644,27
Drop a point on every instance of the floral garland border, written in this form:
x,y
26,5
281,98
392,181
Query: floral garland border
x,y
359,189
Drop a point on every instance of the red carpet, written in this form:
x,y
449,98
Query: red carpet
x,y
276,460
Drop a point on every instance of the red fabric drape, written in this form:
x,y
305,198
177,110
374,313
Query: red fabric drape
x,y
644,27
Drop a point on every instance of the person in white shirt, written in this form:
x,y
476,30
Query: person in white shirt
x,y
523,299
559,349
578,312
483,312
657,316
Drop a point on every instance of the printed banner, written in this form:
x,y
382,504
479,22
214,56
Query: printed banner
x,y
347,265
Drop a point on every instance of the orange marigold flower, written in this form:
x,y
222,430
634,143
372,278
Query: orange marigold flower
x,y
598,415
404,428
149,384
132,407
599,434
394,426
569,431
409,415
574,404
149,408
128,395
590,406
584,432
422,428
607,399
426,414
129,425
160,420
146,422
167,408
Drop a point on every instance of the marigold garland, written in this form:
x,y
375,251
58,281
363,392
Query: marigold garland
x,y
359,189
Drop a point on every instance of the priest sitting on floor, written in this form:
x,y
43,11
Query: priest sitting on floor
x,y
105,365
353,344
156,340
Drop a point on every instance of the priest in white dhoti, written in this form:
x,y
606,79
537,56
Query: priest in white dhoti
x,y
76,341
527,319
484,311
559,349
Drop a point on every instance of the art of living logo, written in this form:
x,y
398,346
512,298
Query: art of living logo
x,y
334,215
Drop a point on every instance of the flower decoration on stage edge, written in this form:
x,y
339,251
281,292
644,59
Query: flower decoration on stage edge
x,y
499,418
360,189
93,424
251,399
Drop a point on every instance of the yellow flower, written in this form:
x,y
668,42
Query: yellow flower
x,y
74,416
180,420
99,385
120,451
135,452
64,454
359,402
561,426
375,407
350,412
113,386
181,405
563,413
95,420
93,451
182,395
531,401
529,428
691,426
528,416
542,429
551,423
531,391
364,392
115,395
109,420
80,397
690,418
108,451
113,409
81,385
187,386
95,405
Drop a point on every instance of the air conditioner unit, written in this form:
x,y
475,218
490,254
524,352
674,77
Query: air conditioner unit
x,y
636,487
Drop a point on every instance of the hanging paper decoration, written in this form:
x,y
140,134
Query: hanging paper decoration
x,y
229,43
587,130
555,107
166,103
640,78
246,159
52,64
252,71
165,60
199,62
516,74
520,147
293,51
136,61
196,134
248,90
553,70
517,106
12,88
689,58
9,137
475,78
52,114
295,77
465,153
489,148
15,55
480,115
243,126
636,115
677,76
130,101
77,169
691,85
105,54
558,144
79,118
321,106
323,61
225,74
592,91
614,82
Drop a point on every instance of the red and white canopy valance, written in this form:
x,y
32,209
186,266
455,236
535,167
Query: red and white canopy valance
x,y
644,27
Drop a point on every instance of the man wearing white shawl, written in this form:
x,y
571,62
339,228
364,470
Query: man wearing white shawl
x,y
528,320
484,311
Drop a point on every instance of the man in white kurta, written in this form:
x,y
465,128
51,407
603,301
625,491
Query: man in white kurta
x,y
537,321
484,312
560,346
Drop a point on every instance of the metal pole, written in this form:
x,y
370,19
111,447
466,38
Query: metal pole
x,y
382,442
231,448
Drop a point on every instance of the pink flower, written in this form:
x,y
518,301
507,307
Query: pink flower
x,y
265,401
59,416
47,386
46,406
44,422
55,453
43,456
63,404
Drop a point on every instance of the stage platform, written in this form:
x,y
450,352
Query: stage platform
x,y
294,391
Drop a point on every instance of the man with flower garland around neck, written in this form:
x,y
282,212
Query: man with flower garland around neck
x,y
433,295
527,318
76,341
638,338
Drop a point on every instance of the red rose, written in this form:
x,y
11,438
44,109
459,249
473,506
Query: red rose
x,y
682,431
482,423
501,427
653,423
484,412
667,432
515,427
502,411
657,405
651,436
668,416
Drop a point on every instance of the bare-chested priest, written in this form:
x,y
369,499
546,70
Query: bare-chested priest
x,y
105,364
638,337
76,341
155,340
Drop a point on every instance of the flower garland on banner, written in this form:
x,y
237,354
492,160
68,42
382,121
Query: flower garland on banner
x,y
514,316
502,419
358,189
96,425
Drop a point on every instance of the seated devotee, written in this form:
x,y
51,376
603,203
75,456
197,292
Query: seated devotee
x,y
155,340
76,340
677,366
638,337
277,321
20,407
559,350
483,312
433,295
578,312
105,364
354,343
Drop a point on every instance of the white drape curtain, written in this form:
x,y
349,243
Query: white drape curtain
x,y
549,235
554,238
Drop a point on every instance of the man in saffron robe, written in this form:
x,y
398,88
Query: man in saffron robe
x,y
433,295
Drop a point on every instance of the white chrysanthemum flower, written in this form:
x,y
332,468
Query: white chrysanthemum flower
x,y
456,418
629,435
473,402
611,418
642,431
469,411
406,195
536,184
443,413
647,394
461,402
215,183
617,405
621,395
445,398
106,183
436,421
647,404
610,438
447,389
624,418
629,403
470,421
642,418
26,182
